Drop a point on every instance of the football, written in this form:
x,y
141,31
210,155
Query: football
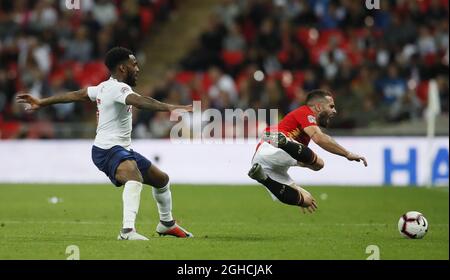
x,y
413,225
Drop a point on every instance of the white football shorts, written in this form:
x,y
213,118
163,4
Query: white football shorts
x,y
275,163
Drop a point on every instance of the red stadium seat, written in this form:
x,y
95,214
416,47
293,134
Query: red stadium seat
x,y
430,59
307,36
355,57
56,75
276,75
316,52
422,92
9,130
76,67
184,77
147,19
60,68
299,77
93,73
283,56
97,68
232,58
327,35
206,82
40,130
290,91
241,77
360,33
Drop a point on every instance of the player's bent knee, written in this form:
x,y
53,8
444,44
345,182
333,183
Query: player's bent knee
x,y
127,171
124,177
160,180
164,179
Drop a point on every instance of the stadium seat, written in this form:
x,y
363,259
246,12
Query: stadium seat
x,y
283,56
40,130
92,73
360,33
10,129
56,75
422,92
232,58
299,77
97,68
206,81
307,36
59,69
184,77
316,52
147,19
430,59
355,56
326,35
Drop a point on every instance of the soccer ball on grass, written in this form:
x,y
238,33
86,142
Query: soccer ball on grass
x,y
413,225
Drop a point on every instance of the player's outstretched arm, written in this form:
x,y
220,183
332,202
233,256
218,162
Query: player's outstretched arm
x,y
148,103
36,103
329,144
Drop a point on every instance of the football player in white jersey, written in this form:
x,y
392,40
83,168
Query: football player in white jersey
x,y
111,152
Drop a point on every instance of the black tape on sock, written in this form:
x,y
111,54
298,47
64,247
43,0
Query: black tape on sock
x,y
284,193
299,152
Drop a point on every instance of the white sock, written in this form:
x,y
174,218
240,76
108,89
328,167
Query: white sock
x,y
131,198
163,198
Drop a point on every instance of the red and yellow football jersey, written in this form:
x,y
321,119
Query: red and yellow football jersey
x,y
294,123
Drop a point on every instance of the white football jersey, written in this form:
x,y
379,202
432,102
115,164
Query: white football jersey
x,y
113,115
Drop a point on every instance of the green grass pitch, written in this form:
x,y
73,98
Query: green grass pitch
x,y
229,222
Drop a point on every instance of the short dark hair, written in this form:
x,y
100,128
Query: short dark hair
x,y
316,95
116,56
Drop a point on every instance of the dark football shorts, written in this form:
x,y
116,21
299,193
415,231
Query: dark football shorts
x,y
108,161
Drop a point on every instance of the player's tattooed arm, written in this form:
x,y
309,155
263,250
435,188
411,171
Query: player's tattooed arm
x,y
36,103
148,103
329,144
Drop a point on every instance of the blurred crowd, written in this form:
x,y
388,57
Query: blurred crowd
x,y
251,54
47,47
270,53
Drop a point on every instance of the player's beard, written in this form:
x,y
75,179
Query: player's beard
x,y
323,119
130,79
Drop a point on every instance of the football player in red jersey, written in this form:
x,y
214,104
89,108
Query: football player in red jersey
x,y
286,145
